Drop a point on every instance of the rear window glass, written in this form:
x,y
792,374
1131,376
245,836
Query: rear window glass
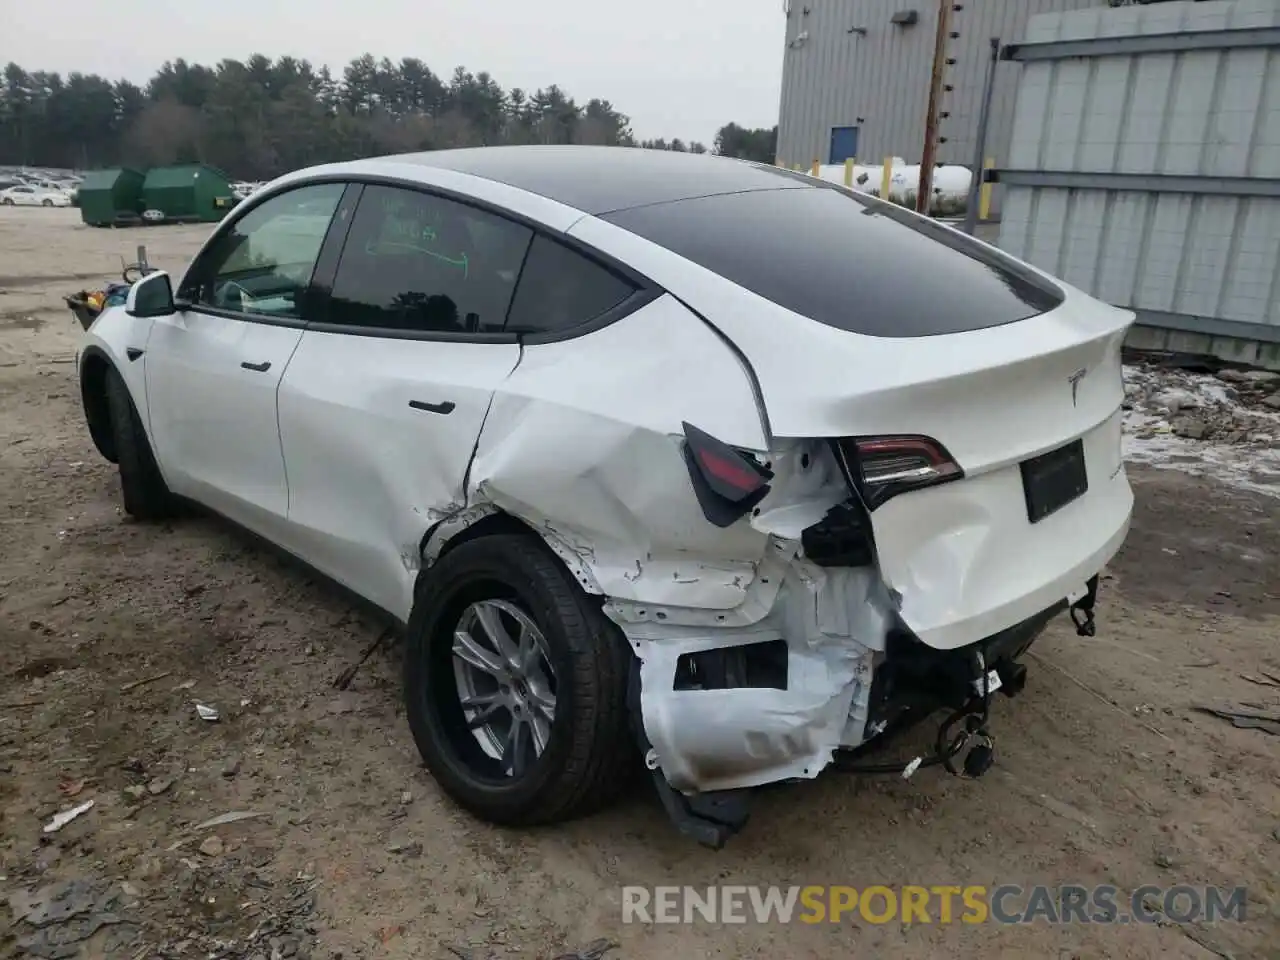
x,y
847,260
560,289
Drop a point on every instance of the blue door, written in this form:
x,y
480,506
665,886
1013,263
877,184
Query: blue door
x,y
844,144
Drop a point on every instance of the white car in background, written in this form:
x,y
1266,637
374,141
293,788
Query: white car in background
x,y
659,458
25,195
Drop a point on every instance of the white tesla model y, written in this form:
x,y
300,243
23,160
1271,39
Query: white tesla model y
x,y
661,460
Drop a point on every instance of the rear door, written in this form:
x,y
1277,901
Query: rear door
x,y
387,392
213,367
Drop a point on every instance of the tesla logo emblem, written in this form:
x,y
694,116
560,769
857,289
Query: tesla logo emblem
x,y
1074,380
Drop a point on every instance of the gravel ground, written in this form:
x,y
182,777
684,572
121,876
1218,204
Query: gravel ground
x,y
112,632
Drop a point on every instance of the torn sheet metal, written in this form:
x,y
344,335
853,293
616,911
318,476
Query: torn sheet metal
x,y
567,448
607,487
834,622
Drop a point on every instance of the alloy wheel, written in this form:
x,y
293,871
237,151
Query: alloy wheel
x,y
505,683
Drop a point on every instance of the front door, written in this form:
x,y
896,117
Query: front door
x,y
214,367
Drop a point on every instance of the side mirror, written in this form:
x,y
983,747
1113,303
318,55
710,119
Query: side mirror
x,y
152,296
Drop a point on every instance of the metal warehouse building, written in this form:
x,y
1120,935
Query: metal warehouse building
x,y
856,73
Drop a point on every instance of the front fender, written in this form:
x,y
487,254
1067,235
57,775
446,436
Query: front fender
x,y
105,346
110,338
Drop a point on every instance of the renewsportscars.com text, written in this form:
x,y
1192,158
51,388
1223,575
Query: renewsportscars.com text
x,y
1004,904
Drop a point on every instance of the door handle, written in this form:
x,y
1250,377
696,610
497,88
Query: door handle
x,y
445,408
257,367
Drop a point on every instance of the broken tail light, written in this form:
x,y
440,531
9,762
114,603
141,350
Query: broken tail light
x,y
884,467
727,482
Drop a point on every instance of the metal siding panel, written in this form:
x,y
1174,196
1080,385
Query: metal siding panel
x,y
1119,252
1015,223
1234,121
1066,114
875,50
1249,295
812,91
1195,88
787,99
1159,281
1255,13
845,108
1141,136
1082,233
1264,153
907,137
1031,116
1045,248
825,33
1104,115
1207,254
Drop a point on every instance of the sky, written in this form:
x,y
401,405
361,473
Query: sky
x,y
678,68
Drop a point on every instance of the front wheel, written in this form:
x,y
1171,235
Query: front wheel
x,y
8,201
145,494
515,685
46,203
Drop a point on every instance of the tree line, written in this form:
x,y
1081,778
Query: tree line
x,y
258,118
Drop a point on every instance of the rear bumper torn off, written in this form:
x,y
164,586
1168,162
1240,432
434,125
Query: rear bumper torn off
x,y
829,667
730,707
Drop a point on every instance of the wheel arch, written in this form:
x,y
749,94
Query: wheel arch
x,y
94,367
485,520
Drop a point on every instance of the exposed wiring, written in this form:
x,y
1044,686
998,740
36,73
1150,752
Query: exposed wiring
x,y
945,747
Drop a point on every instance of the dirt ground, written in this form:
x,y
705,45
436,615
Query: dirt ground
x,y
112,631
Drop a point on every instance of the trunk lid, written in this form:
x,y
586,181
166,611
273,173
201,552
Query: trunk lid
x,y
973,555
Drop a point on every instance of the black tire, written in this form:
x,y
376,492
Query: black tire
x,y
8,202
145,494
589,752
46,203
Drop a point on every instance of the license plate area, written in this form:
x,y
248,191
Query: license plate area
x,y
1054,479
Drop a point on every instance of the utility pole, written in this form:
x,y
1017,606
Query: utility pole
x,y
936,82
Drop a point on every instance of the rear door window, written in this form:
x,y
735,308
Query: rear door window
x,y
419,262
847,260
561,289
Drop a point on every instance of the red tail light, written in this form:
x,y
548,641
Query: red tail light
x,y
728,483
884,467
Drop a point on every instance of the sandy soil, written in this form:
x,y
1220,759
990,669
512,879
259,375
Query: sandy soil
x,y
111,631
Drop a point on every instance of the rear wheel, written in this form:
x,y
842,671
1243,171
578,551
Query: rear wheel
x,y
46,203
515,685
8,201
143,488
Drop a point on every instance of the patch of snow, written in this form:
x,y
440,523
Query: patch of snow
x,y
1169,411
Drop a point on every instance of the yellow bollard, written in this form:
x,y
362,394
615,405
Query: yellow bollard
x,y
886,178
796,167
813,170
984,196
848,172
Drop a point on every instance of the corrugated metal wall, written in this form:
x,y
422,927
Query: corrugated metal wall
x,y
880,81
1201,264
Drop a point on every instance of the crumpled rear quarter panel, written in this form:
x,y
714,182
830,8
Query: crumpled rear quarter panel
x,y
583,442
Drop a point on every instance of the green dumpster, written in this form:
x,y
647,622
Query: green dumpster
x,y
110,196
185,193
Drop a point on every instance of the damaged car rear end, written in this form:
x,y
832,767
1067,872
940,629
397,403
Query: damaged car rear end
x,y
831,478
937,474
